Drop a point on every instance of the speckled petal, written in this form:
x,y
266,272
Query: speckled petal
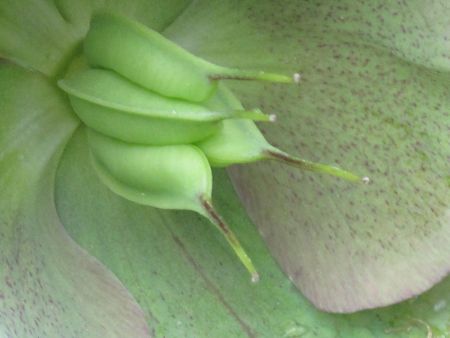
x,y
49,286
374,100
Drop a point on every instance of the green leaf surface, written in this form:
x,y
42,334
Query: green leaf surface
x,y
188,281
49,287
374,99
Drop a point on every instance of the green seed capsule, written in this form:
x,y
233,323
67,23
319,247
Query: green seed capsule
x,y
154,62
167,177
240,141
114,106
147,106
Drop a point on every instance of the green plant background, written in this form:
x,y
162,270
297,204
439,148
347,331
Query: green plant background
x,y
169,273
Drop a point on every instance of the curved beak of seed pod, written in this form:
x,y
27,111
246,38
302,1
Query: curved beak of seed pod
x,y
222,73
211,213
278,155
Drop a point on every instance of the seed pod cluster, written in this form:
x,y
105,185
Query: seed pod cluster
x,y
159,117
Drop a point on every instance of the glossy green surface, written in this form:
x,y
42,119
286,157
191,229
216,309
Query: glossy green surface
x,y
167,177
108,89
176,177
237,140
114,106
147,58
141,129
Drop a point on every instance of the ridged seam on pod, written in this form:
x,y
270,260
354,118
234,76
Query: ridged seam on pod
x,y
149,59
240,141
112,105
167,177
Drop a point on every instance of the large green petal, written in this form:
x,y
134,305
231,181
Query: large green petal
x,y
373,101
49,287
190,284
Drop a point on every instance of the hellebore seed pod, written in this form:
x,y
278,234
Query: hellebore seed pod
x,y
240,141
114,106
167,177
154,62
150,104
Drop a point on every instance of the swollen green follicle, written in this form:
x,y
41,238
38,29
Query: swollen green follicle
x,y
240,141
167,177
159,117
107,88
154,62
113,105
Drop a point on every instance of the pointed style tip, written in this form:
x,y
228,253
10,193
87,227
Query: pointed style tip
x,y
365,180
255,277
281,156
254,115
296,77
